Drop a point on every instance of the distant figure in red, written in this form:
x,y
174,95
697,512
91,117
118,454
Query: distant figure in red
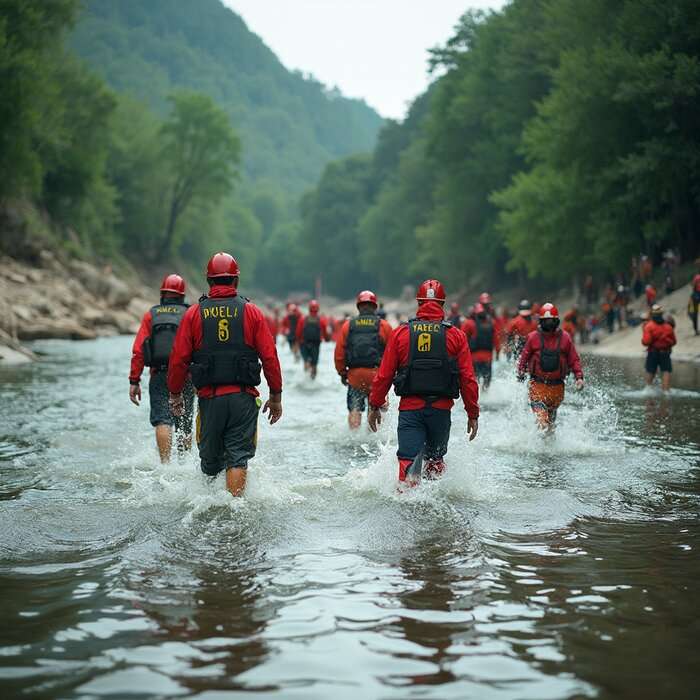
x,y
310,331
518,330
650,294
288,328
658,338
455,317
548,356
484,336
694,301
272,320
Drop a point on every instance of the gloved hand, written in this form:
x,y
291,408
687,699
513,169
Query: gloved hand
x,y
521,377
135,393
344,379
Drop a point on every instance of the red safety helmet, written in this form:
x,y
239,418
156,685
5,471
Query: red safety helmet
x,y
431,290
485,298
479,309
314,305
173,283
367,297
222,265
548,310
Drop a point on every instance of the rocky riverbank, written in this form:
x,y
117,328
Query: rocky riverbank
x,y
72,299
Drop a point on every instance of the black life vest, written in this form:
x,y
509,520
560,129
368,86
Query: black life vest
x,y
548,366
312,330
224,357
483,340
165,320
292,320
364,346
430,372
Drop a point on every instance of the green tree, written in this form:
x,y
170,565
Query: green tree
x,y
330,215
29,47
203,152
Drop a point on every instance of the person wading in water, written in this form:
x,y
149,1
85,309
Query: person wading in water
x,y
429,362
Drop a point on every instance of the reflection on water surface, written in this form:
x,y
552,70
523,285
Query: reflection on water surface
x,y
534,569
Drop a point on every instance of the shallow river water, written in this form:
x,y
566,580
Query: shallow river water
x,y
563,568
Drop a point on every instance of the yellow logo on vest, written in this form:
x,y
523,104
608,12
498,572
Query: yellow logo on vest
x,y
424,342
223,330
220,312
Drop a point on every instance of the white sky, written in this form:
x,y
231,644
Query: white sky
x,y
376,50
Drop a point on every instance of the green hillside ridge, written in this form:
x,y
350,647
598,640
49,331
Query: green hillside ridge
x,y
290,126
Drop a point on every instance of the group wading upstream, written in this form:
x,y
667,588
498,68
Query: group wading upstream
x,y
554,568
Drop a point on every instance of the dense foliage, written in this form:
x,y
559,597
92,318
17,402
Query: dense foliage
x,y
207,147
563,135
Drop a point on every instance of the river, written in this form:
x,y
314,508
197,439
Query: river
x,y
564,568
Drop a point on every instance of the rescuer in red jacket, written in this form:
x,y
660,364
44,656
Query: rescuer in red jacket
x,y
310,331
518,329
659,337
549,355
152,347
429,363
358,352
222,341
484,336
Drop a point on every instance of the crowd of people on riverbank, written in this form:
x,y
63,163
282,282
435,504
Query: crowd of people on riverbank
x,y
220,347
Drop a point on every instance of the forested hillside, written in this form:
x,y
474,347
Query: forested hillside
x,y
202,141
564,136
290,126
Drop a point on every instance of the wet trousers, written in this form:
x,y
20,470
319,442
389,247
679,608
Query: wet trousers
x,y
545,399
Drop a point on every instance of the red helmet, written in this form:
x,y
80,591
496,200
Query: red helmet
x,y
485,298
454,306
431,290
479,308
292,309
367,297
314,305
548,310
173,283
222,265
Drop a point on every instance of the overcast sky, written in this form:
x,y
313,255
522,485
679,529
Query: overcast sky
x,y
376,50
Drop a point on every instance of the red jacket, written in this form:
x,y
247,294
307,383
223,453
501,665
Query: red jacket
x,y
469,329
658,336
137,361
531,351
255,333
323,325
396,355
520,326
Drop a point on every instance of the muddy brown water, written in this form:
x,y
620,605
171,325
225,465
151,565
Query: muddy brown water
x,y
564,568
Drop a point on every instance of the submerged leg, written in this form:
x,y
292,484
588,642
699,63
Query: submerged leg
x,y
236,480
164,440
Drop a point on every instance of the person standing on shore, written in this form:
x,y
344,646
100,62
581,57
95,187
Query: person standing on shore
x,y
222,342
694,301
429,363
152,348
658,337
548,356
358,352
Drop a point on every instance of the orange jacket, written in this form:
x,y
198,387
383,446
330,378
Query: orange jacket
x,y
658,336
358,377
